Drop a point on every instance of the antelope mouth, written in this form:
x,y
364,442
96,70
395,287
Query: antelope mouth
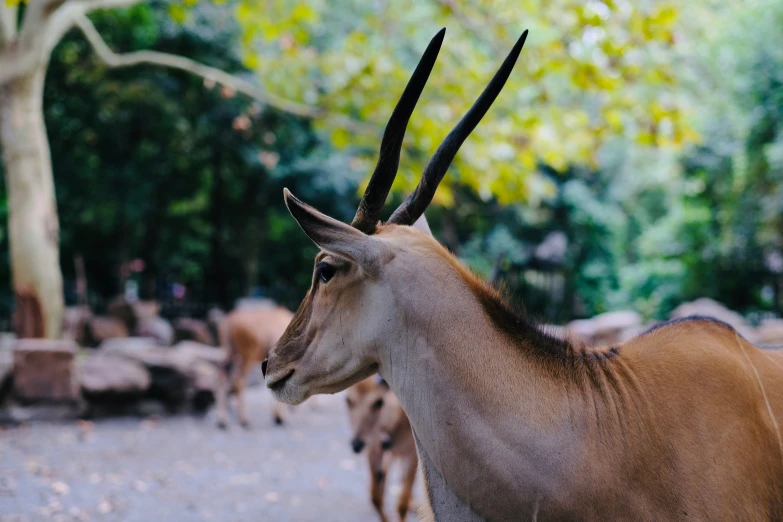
x,y
277,384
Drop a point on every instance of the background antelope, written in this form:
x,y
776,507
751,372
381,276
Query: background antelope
x,y
247,334
380,424
510,422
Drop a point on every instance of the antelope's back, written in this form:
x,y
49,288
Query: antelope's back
x,y
714,402
259,327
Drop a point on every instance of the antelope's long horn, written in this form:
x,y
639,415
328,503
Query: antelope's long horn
x,y
413,207
369,210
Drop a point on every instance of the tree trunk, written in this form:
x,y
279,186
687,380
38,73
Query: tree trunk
x,y
32,224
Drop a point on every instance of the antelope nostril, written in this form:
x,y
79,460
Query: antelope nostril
x,y
357,445
263,367
281,382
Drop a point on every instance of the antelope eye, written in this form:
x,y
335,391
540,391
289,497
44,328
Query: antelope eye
x,y
325,271
377,405
349,402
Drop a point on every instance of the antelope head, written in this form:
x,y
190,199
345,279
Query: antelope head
x,y
352,311
365,403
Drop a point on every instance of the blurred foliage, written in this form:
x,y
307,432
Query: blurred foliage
x,y
152,164
635,159
589,71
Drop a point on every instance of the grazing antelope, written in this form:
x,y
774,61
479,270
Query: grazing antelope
x,y
511,423
380,424
247,334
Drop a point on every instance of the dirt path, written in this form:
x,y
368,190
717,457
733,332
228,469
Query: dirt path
x,y
184,469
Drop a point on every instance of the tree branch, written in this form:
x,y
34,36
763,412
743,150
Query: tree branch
x,y
8,15
92,5
240,85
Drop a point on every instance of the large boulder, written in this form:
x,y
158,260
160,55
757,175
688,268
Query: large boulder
x,y
770,333
189,329
120,308
180,376
606,329
104,374
146,309
75,319
7,341
156,328
98,329
707,307
44,370
211,354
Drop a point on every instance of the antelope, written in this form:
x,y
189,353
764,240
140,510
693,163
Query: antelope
x,y
510,422
247,334
380,424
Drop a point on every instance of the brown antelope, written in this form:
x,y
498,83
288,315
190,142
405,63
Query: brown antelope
x,y
247,334
510,422
380,424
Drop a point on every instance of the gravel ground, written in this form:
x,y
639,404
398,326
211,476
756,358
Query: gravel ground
x,y
184,469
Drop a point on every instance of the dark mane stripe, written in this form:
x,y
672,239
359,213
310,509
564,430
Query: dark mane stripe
x,y
689,319
517,324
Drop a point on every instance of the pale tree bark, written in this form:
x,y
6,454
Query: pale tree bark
x,y
32,225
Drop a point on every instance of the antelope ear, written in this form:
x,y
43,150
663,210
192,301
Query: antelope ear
x,y
331,235
422,226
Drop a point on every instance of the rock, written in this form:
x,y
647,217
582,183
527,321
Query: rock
x,y
7,341
215,318
17,414
75,319
710,308
120,308
44,370
608,328
555,330
204,381
254,302
203,352
99,329
126,345
146,309
583,329
616,321
156,328
189,329
770,332
105,374
180,375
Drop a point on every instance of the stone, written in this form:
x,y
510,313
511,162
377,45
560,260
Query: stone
x,y
180,375
189,329
75,319
607,328
770,332
203,352
710,308
156,328
7,341
583,329
146,309
98,329
44,370
204,382
50,412
105,374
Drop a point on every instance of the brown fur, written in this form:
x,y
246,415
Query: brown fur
x,y
378,427
511,423
247,334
